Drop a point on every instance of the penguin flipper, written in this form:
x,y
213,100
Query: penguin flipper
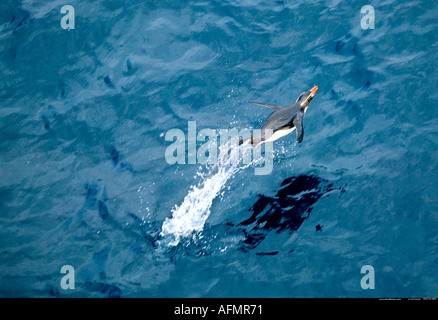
x,y
272,106
298,122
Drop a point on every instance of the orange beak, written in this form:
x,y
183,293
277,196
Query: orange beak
x,y
313,90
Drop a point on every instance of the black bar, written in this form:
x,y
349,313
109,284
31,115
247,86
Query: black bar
x,y
213,308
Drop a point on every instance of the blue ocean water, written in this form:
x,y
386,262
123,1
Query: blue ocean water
x,y
83,176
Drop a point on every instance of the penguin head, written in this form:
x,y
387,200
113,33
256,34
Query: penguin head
x,y
306,97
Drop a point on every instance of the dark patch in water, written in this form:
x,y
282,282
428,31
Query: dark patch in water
x,y
133,216
333,94
54,292
90,197
339,45
287,210
114,154
108,289
107,80
366,86
318,227
267,253
103,210
25,21
252,240
50,112
342,42
356,49
46,122
115,157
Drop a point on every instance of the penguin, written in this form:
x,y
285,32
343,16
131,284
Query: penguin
x,y
283,120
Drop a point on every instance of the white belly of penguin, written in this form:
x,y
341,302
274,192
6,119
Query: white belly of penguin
x,y
278,134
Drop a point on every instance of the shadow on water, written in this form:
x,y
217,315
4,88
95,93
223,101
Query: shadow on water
x,y
287,210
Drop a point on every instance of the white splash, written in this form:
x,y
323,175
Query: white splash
x,y
191,215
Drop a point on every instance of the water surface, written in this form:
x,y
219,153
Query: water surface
x,y
84,181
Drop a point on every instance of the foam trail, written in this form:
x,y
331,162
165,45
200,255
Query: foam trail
x,y
191,215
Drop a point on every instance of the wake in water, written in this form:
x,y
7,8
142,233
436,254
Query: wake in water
x,y
191,215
